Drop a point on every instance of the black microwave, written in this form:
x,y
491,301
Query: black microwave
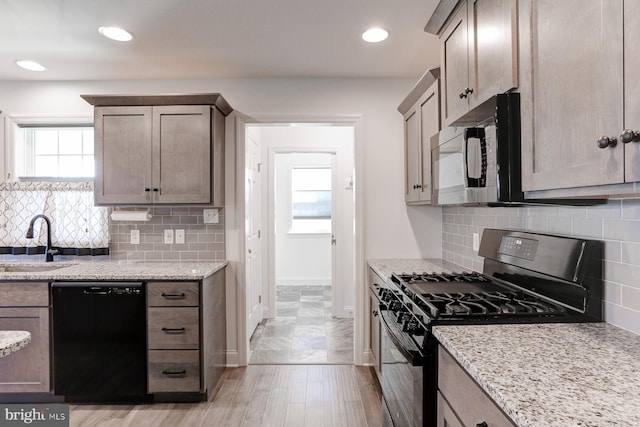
x,y
480,164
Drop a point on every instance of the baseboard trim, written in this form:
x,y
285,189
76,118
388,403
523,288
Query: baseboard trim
x,y
233,359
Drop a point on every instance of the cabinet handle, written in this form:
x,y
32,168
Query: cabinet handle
x,y
174,330
156,190
606,141
171,372
418,186
482,424
629,135
375,313
173,296
465,93
147,190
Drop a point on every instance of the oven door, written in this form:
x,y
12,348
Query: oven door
x,y
402,376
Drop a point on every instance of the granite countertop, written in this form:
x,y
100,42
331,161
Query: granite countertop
x,y
11,341
384,267
585,374
112,270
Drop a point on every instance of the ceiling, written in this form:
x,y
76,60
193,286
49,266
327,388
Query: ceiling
x,y
192,39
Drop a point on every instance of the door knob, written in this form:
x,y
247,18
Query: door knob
x,y
629,135
606,141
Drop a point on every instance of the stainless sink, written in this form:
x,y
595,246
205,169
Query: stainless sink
x,y
13,268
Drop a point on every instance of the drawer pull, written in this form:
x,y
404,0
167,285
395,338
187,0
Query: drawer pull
x,y
174,330
172,373
482,424
173,296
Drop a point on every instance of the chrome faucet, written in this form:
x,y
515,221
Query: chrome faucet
x,y
48,250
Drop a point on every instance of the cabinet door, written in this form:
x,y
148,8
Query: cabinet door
x,y
123,155
411,154
26,370
632,89
571,92
455,67
445,415
493,58
429,126
182,154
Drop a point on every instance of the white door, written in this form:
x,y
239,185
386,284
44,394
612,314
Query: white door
x,y
252,221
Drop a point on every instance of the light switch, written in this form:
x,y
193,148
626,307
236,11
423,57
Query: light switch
x,y
179,237
135,237
168,237
211,216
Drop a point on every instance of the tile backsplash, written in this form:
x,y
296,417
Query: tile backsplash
x,y
617,223
203,242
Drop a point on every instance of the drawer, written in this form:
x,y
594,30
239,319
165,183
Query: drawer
x,y
173,328
173,294
24,294
465,396
173,371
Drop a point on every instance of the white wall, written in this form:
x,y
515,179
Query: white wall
x,y
301,259
392,229
389,228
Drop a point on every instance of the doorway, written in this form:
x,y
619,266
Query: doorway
x,y
308,244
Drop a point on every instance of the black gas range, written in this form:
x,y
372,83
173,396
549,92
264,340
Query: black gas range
x,y
526,278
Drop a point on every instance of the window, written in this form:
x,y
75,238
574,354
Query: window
x,y
311,200
59,151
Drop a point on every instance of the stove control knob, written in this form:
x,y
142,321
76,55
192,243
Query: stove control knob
x,y
395,306
403,316
413,327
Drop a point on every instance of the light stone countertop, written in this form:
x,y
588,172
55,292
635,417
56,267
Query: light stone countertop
x,y
11,341
113,270
585,374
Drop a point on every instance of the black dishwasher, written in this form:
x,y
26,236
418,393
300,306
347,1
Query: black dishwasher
x,y
99,341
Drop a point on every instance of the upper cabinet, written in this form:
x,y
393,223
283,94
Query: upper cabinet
x,y
579,93
159,149
421,111
478,55
572,93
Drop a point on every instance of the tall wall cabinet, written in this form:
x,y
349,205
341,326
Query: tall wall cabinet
x,y
421,111
159,149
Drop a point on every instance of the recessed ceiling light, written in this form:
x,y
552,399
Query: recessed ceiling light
x,y
375,35
116,33
30,65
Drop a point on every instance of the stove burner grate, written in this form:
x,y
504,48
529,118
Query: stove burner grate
x,y
485,303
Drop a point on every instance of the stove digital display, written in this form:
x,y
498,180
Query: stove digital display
x,y
518,247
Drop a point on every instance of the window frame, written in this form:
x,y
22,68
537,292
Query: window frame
x,y
13,124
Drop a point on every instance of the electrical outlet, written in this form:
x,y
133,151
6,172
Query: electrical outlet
x,y
180,237
135,237
211,216
476,242
168,237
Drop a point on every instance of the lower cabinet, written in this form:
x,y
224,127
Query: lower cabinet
x,y
185,337
461,401
24,306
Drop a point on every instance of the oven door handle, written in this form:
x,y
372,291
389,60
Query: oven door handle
x,y
415,357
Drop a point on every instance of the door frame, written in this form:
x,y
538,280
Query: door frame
x,y
237,339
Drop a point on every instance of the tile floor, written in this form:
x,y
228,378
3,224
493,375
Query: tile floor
x,y
303,330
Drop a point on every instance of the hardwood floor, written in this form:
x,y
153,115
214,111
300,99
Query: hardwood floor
x,y
260,395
